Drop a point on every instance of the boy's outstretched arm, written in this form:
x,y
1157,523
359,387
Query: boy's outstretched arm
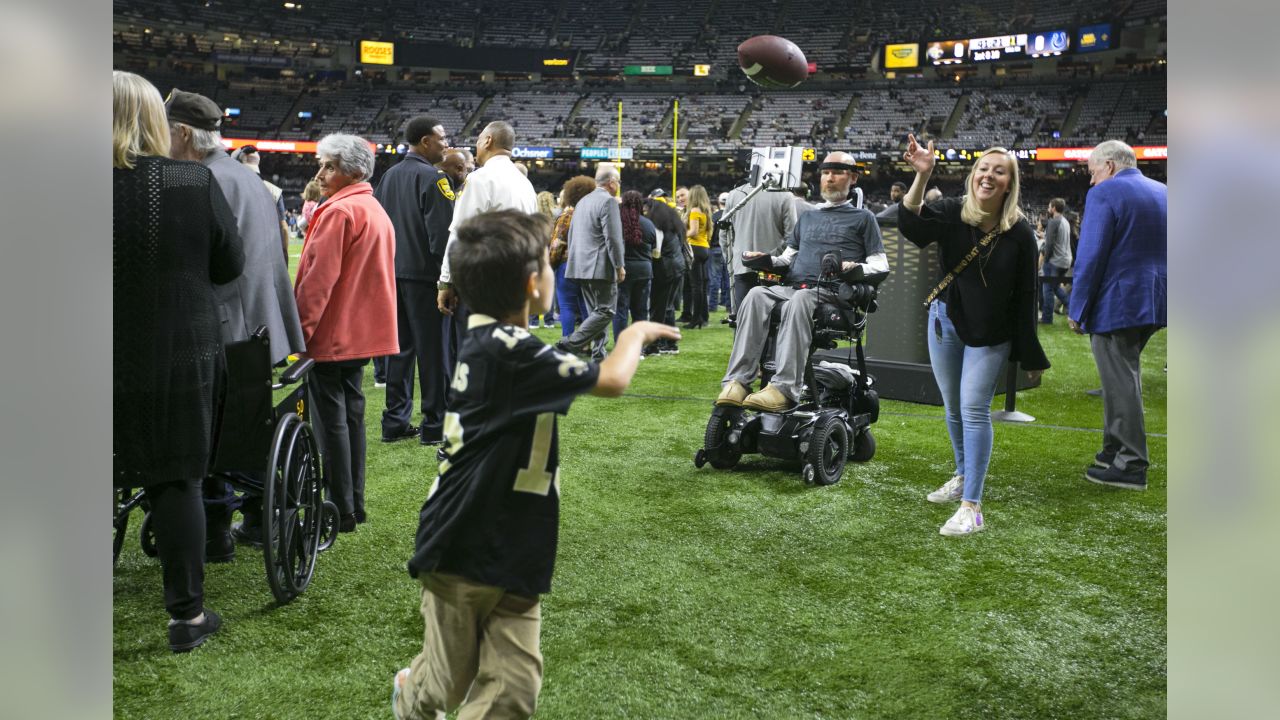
x,y
617,369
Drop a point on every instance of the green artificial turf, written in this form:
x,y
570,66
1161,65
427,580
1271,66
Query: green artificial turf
x,y
685,593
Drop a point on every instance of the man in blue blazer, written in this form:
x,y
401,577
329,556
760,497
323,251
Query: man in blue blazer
x,y
1119,295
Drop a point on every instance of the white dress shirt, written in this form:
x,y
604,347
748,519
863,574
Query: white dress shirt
x,y
497,185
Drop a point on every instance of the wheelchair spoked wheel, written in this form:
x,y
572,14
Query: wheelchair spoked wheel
x,y
864,447
292,518
147,536
119,523
828,448
328,525
717,449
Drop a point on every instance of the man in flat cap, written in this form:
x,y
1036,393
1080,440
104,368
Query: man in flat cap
x,y
262,295
836,227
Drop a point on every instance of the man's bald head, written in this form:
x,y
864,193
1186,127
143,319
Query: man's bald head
x,y
839,173
454,164
497,138
503,135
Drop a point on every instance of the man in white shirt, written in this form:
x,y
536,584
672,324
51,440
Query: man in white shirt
x,y
495,185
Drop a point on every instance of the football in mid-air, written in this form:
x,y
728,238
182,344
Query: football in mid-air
x,y
773,62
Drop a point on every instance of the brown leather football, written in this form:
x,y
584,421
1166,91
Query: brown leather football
x,y
771,61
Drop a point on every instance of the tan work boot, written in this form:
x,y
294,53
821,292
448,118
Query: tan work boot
x,y
770,399
733,394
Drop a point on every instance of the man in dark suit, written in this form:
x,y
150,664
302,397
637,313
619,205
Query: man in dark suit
x,y
596,262
419,199
1119,296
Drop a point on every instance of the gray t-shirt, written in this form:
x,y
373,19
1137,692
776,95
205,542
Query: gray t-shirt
x,y
852,233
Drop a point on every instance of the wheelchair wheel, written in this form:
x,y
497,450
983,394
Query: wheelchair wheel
x,y
292,517
719,452
828,448
864,447
147,537
119,523
328,525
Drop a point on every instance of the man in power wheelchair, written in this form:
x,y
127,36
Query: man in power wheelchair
x,y
832,263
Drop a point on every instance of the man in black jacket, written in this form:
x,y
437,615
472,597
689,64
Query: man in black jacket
x,y
419,200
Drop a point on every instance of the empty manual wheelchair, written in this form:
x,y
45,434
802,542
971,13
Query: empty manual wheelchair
x,y
267,449
832,422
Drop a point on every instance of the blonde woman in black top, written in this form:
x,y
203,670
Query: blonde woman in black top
x,y
982,316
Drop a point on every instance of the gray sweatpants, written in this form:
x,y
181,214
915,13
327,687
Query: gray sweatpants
x,y
794,335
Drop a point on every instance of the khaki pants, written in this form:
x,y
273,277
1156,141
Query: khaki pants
x,y
480,649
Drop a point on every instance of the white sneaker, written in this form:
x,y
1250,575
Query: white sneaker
x,y
951,491
379,384
966,521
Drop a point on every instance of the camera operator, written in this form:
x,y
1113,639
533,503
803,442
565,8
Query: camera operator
x,y
835,227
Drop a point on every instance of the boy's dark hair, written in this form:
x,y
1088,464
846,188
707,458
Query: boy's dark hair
x,y
419,127
493,257
1059,205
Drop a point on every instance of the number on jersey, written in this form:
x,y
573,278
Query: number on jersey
x,y
534,477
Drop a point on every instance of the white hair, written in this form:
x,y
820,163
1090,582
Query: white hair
x,y
204,141
606,173
1117,152
351,153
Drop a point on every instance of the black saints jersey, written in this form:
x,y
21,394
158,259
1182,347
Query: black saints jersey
x,y
493,512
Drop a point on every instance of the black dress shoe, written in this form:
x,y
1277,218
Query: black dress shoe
x,y
347,523
361,518
409,432
185,636
247,533
1114,477
219,548
430,439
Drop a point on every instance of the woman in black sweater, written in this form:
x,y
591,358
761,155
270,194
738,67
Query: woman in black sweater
x,y
173,237
982,316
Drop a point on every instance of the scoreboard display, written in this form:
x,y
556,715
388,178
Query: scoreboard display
x,y
1015,46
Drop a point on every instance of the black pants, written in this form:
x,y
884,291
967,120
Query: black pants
x,y
742,284
455,329
665,291
698,285
421,333
337,411
177,516
633,304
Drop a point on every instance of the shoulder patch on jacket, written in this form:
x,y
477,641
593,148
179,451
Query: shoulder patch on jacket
x,y
445,190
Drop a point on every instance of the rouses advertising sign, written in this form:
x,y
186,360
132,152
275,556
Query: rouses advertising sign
x,y
377,53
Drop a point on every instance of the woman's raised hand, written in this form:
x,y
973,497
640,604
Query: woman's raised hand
x,y
920,158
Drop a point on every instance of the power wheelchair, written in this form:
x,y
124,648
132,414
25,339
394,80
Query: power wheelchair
x,y
297,522
832,422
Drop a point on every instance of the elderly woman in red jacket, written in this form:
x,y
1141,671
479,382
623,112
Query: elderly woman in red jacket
x,y
346,297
